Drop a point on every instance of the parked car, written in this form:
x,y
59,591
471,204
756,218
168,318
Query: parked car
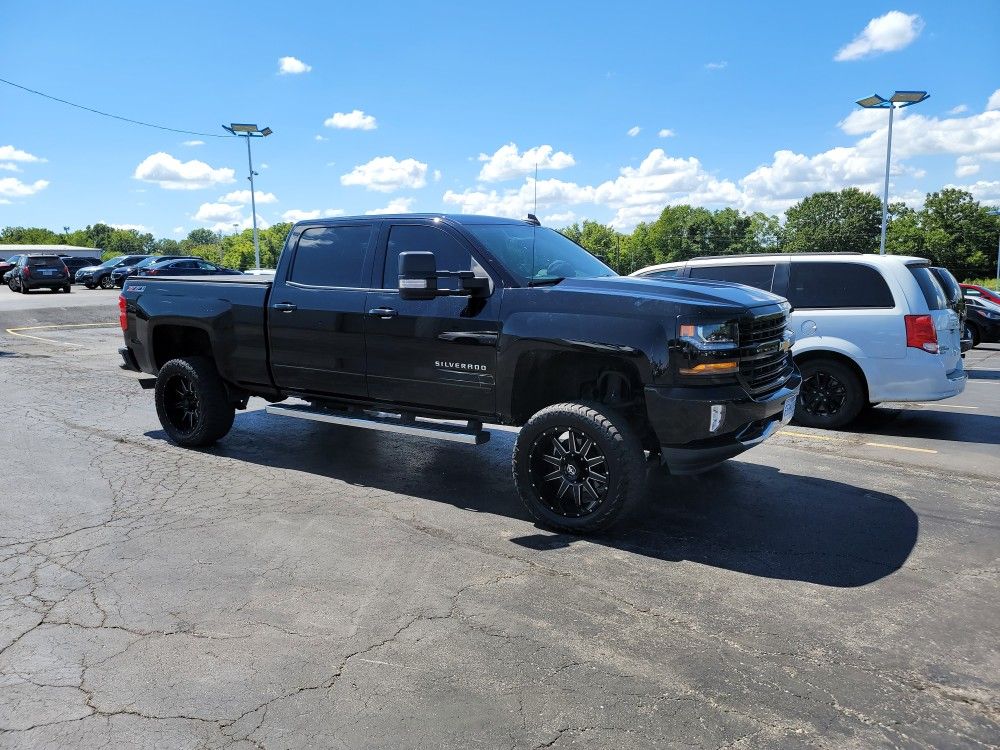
x,y
74,263
974,290
186,267
8,265
123,270
953,293
94,276
37,272
392,322
982,323
868,328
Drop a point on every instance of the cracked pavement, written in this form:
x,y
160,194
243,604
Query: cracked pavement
x,y
308,586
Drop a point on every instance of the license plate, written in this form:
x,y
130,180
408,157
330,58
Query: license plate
x,y
47,272
789,411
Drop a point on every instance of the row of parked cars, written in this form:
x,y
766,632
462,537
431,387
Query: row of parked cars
x,y
849,314
25,272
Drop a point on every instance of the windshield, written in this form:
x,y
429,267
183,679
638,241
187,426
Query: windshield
x,y
538,254
113,262
147,262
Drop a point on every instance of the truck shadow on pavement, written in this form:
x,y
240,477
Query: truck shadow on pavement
x,y
742,517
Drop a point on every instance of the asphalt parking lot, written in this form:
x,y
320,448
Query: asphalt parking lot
x,y
305,585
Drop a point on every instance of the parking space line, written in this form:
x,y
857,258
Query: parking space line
x,y
948,406
17,331
891,446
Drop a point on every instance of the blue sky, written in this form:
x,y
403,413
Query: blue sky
x,y
439,102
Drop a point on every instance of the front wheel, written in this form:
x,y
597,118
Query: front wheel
x,y
192,403
107,283
831,394
578,467
972,332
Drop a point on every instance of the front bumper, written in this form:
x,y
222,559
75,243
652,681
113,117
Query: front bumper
x,y
681,419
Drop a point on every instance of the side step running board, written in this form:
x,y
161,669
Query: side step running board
x,y
472,434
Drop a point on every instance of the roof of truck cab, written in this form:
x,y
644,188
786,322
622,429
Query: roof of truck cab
x,y
456,218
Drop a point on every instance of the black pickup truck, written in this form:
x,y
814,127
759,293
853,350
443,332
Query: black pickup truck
x,y
410,323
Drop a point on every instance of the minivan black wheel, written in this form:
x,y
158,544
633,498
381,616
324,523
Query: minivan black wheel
x,y
107,282
578,467
972,332
831,394
192,403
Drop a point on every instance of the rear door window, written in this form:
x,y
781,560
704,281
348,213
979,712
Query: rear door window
x,y
760,276
332,256
930,287
824,286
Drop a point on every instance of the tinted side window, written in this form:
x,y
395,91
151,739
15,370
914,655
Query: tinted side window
x,y
449,253
332,256
833,285
668,273
185,264
758,276
929,286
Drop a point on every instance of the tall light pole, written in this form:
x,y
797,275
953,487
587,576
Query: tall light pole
x,y
244,130
996,212
900,99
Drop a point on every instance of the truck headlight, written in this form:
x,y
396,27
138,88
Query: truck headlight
x,y
711,335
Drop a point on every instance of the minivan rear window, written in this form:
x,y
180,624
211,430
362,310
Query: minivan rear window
x,y
825,286
929,286
757,276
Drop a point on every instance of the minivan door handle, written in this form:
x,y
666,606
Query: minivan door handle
x,y
383,312
286,307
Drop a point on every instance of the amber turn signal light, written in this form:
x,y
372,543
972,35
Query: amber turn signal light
x,y
710,368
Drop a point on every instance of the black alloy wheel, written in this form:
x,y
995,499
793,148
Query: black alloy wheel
x,y
107,282
831,395
822,395
570,472
182,404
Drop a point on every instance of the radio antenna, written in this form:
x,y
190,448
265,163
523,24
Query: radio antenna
x,y
534,208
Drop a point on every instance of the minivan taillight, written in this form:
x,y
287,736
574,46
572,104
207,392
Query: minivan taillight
x,y
122,315
920,333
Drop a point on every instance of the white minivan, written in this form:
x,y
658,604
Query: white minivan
x,y
868,328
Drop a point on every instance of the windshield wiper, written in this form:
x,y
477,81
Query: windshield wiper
x,y
546,282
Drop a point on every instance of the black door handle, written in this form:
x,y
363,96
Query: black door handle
x,y
285,306
383,312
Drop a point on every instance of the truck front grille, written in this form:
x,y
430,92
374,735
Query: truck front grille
x,y
764,364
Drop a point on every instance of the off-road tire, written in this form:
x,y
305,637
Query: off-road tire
x,y
216,412
854,396
612,435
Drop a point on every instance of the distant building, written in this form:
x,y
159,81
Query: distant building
x,y
8,250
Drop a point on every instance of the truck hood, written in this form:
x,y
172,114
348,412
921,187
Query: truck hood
x,y
716,294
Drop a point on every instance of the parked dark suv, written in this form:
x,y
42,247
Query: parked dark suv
x,y
37,272
91,276
75,263
124,270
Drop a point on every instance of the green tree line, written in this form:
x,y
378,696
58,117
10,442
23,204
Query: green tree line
x,y
952,229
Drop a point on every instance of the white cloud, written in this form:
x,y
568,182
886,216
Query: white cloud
x,y
219,212
245,222
993,103
137,227
243,196
319,137
292,66
356,119
965,170
193,143
395,206
9,166
178,230
12,187
296,214
265,166
559,220
893,31
720,65
984,191
384,174
9,153
172,174
666,133
437,175
634,131
506,163
958,109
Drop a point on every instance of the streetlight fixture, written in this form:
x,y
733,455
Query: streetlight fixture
x,y
248,131
899,99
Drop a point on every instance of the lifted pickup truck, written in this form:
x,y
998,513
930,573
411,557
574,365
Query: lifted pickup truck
x,y
409,323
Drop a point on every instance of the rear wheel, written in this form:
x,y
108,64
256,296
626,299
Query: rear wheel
x,y
972,332
192,403
831,395
67,289
12,285
578,467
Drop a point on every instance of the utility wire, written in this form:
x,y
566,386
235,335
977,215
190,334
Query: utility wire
x,y
114,117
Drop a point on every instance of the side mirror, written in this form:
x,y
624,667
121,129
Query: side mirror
x,y
417,275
